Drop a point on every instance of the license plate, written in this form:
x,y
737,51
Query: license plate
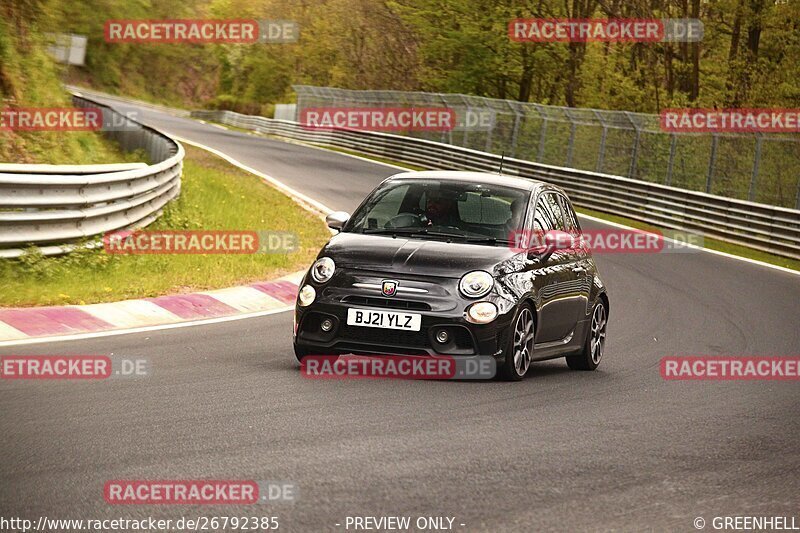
x,y
384,319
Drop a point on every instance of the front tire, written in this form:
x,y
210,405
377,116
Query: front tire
x,y
300,352
595,343
519,352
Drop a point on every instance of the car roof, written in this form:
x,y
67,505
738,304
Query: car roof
x,y
476,177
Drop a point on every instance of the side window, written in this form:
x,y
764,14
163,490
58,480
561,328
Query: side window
x,y
555,207
542,216
553,210
570,217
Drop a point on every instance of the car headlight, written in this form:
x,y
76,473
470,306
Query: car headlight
x,y
476,284
322,269
306,296
481,312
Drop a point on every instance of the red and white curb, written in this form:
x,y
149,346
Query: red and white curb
x,y
19,324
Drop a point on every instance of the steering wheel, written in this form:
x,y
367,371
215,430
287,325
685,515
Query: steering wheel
x,y
407,220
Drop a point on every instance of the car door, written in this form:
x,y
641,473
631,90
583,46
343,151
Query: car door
x,y
579,261
552,275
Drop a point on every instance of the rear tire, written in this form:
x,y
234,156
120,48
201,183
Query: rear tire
x,y
519,351
594,345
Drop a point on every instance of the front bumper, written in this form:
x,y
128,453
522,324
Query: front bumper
x,y
436,300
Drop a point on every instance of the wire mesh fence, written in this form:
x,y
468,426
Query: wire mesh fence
x,y
758,167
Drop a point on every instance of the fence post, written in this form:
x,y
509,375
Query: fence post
x,y
634,156
601,152
756,162
797,202
634,148
571,144
489,134
712,161
542,135
469,110
673,144
299,107
514,132
448,133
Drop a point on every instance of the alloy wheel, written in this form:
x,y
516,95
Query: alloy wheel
x,y
598,340
523,342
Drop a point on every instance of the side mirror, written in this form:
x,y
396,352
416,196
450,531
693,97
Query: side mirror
x,y
337,220
553,240
558,240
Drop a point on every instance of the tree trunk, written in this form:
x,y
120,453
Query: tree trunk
x,y
526,79
754,28
695,81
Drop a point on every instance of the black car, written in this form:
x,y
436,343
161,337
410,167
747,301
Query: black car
x,y
432,263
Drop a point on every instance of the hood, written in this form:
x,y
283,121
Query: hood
x,y
413,255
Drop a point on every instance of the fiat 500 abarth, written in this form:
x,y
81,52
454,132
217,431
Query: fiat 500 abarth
x,y
431,263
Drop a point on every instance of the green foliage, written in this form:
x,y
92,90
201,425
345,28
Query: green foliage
x,y
748,56
30,77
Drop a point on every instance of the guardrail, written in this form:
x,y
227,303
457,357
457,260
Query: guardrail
x,y
757,167
54,207
762,227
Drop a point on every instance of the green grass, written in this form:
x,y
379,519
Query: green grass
x,y
65,148
214,195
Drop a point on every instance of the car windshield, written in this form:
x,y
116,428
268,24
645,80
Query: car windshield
x,y
442,209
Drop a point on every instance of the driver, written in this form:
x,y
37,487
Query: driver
x,y
440,210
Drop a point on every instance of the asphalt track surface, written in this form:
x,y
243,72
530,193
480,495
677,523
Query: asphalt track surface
x,y
615,449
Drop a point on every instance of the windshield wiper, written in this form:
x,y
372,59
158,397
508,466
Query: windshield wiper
x,y
396,231
444,234
463,236
410,232
488,240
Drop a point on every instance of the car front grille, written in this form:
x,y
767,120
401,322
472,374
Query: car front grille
x,y
389,337
391,303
